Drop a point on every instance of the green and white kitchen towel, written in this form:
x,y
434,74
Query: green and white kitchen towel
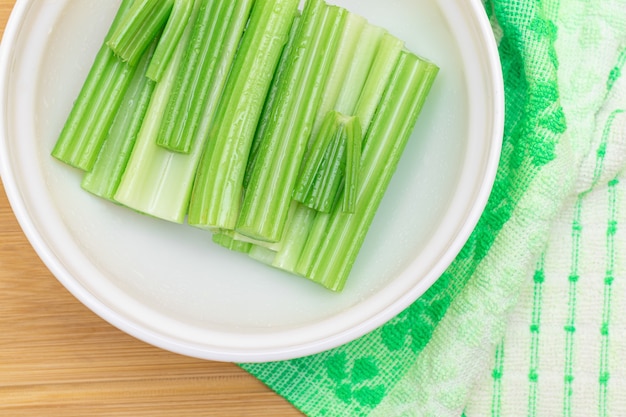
x,y
530,319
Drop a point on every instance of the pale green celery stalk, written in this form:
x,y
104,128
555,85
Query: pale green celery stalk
x,y
382,67
294,237
361,64
159,182
103,180
262,254
226,240
141,25
95,107
344,61
177,131
174,28
278,79
387,136
275,246
218,186
268,196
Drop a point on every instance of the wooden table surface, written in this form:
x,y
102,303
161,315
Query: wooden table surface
x,y
57,358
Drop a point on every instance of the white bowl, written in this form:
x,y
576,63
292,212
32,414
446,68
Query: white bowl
x,y
168,284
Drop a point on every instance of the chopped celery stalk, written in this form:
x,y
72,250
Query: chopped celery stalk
x,y
103,180
159,181
314,158
89,120
262,254
391,127
350,178
268,196
275,246
346,54
338,144
378,78
360,66
174,28
317,232
193,80
218,186
227,241
144,21
294,238
322,197
270,99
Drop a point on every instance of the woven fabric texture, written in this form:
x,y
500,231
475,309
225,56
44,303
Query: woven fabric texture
x,y
530,318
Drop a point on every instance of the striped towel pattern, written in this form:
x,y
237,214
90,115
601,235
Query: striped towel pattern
x,y
530,319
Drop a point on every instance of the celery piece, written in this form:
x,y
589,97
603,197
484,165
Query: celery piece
x,y
106,174
317,229
226,240
382,67
158,182
392,125
268,196
294,237
174,28
352,165
262,254
193,80
325,166
315,157
140,26
360,66
95,107
349,49
278,79
218,186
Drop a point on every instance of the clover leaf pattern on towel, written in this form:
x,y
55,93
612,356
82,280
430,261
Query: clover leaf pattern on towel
x,y
355,382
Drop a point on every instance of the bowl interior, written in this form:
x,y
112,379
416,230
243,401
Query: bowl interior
x,y
168,284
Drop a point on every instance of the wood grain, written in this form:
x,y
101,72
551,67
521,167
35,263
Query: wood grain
x,y
57,358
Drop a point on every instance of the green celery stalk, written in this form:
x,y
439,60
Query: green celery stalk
x,y
351,167
315,157
270,100
262,254
174,28
88,122
103,180
348,52
158,182
294,237
381,69
335,253
141,25
268,196
226,240
368,47
218,185
336,146
184,109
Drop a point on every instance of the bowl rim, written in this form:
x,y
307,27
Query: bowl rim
x,y
35,237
